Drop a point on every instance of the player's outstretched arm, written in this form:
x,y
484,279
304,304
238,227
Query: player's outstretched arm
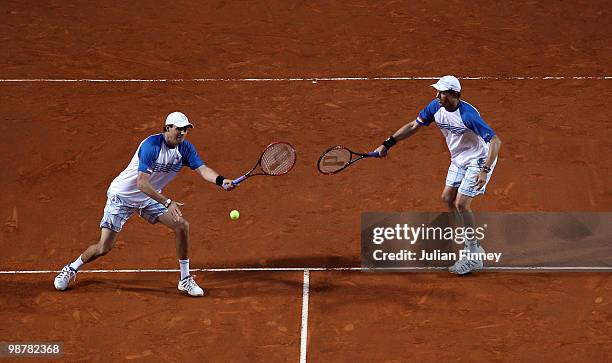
x,y
402,133
212,176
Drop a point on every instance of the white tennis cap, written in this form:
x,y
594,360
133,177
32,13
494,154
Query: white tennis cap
x,y
178,119
447,83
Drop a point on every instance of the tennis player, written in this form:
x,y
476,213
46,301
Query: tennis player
x,y
473,147
138,188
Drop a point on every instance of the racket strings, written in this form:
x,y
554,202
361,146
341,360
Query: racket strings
x,y
278,159
334,160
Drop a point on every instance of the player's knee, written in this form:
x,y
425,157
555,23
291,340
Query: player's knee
x,y
448,199
182,225
461,206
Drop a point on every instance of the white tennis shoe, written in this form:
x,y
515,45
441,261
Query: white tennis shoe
x,y
65,277
465,265
189,285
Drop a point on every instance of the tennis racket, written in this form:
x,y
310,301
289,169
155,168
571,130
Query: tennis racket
x,y
338,158
277,159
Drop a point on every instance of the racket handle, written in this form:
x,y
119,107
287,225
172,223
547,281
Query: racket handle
x,y
374,154
239,180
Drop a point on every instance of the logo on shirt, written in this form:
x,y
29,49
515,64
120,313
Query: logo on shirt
x,y
452,129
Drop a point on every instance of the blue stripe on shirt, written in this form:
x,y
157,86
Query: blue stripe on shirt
x,y
471,118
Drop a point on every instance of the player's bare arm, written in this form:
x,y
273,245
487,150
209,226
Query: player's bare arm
x,y
211,176
144,184
402,133
494,146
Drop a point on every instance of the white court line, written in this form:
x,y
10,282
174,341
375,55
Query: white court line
x,y
289,269
301,79
304,329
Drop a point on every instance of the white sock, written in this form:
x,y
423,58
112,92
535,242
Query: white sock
x,y
184,265
77,263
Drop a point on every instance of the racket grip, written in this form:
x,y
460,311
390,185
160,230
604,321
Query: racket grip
x,y
239,180
374,154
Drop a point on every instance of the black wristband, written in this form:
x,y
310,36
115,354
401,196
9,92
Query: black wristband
x,y
389,142
486,169
219,180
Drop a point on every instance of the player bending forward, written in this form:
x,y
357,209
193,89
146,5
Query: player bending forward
x,y
156,162
473,147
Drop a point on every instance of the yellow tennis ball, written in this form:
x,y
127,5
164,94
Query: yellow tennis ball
x,y
234,215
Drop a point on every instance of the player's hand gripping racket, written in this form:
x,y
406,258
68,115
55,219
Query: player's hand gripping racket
x,y
277,159
338,158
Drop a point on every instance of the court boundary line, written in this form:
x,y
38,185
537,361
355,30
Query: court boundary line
x,y
304,327
294,269
293,79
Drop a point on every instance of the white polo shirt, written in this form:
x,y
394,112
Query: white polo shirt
x,y
467,135
154,157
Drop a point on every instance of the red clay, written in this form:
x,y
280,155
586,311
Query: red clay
x,y
64,143
143,317
426,317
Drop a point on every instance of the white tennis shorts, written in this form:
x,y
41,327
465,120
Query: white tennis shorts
x,y
117,212
465,178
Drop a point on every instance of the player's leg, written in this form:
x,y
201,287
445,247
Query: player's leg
x,y
106,243
68,272
155,212
181,233
465,218
454,177
116,213
449,194
463,204
463,207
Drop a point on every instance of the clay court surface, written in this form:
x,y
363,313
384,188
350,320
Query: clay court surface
x,y
228,66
